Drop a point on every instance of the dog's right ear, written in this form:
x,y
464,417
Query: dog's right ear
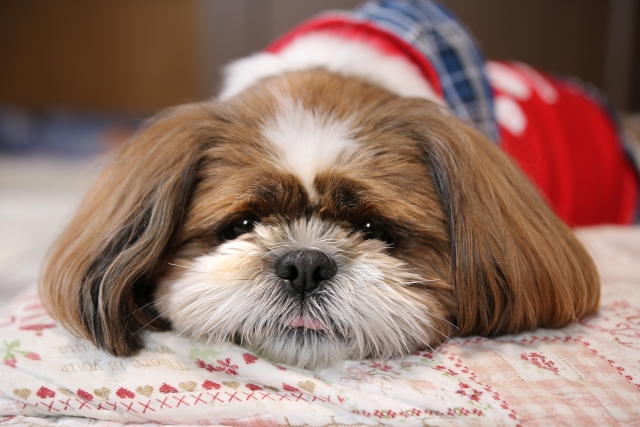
x,y
95,279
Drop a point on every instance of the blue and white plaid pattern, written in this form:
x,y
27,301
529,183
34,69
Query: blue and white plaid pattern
x,y
440,37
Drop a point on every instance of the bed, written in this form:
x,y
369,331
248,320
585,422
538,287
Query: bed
x,y
586,374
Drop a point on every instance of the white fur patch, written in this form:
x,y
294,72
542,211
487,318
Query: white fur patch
x,y
320,50
308,142
234,293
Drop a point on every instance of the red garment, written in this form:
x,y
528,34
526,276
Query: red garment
x,y
567,143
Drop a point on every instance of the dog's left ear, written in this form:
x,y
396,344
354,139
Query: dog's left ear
x,y
514,264
96,278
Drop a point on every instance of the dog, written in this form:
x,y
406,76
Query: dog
x,y
336,203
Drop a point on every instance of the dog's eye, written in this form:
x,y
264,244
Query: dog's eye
x,y
371,230
237,228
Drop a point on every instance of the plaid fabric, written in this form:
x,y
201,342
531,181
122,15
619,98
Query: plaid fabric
x,y
440,37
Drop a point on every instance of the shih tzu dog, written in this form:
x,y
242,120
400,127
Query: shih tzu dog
x,y
336,203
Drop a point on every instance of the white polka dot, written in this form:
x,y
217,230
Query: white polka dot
x,y
508,80
510,116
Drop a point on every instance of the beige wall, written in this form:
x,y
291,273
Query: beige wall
x,y
103,54
143,55
565,36
591,39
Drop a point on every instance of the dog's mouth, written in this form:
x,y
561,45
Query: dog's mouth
x,y
305,322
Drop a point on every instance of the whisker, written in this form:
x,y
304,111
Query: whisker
x,y
178,265
444,320
147,305
440,332
151,321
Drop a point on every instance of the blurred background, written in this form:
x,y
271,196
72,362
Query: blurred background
x,y
77,77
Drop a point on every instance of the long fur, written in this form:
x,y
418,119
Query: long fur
x,y
475,249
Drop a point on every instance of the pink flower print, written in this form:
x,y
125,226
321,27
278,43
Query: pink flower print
x,y
226,367
11,351
166,388
84,394
37,328
289,388
44,393
123,393
540,361
376,365
209,367
208,385
249,358
253,387
223,366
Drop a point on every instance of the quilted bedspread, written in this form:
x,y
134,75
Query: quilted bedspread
x,y
587,374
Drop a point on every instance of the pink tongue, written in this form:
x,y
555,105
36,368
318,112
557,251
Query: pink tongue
x,y
307,322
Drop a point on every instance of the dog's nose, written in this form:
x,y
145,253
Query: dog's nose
x,y
304,271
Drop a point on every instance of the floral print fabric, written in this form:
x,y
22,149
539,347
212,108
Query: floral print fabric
x,y
585,374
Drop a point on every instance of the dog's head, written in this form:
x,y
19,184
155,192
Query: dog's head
x,y
314,218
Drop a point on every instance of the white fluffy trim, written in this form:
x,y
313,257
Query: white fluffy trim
x,y
347,57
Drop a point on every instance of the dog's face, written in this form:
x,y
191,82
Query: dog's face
x,y
314,218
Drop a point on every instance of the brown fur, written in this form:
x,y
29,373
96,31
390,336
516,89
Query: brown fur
x,y
461,211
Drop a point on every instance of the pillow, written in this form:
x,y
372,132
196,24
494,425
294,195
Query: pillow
x,y
585,374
